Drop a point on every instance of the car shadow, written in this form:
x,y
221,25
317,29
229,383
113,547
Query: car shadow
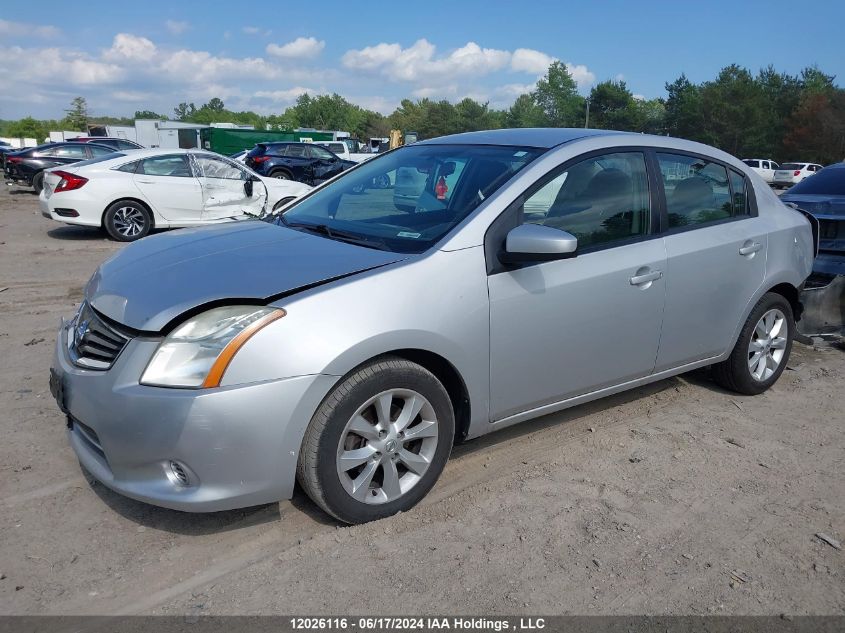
x,y
77,233
22,192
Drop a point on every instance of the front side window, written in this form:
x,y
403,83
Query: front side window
x,y
599,200
175,165
431,189
214,167
320,153
126,145
697,190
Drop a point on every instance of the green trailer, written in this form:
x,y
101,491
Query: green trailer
x,y
229,141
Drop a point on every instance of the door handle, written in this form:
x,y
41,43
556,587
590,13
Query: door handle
x,y
147,182
644,278
749,248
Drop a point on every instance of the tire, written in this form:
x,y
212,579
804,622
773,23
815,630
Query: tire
x,y
280,174
380,449
38,182
127,221
741,372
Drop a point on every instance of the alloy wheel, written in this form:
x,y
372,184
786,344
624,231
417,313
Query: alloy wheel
x,y
129,221
767,345
387,446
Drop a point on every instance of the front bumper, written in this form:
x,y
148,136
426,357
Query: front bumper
x,y
237,446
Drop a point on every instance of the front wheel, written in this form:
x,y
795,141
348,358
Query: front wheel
x,y
127,221
378,442
762,349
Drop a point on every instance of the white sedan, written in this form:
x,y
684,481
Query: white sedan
x,y
792,173
129,193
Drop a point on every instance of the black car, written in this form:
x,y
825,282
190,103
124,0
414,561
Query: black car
x,y
823,195
311,164
27,166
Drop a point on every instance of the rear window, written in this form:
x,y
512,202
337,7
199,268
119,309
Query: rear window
x,y
793,166
752,163
827,182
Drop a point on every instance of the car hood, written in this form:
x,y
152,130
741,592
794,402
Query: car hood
x,y
153,281
821,206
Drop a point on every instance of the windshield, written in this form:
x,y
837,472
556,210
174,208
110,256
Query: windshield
x,y
408,199
827,182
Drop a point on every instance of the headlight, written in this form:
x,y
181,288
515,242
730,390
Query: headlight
x,y
197,353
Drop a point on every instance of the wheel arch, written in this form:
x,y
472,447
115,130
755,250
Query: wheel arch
x,y
128,199
280,168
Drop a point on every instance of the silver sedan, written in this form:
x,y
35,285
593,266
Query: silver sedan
x,y
348,343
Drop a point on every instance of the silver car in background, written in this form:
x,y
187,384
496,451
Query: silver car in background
x,y
348,343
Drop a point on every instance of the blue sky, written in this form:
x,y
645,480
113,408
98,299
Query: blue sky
x,y
261,55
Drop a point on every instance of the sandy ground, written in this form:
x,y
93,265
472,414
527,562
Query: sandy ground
x,y
678,498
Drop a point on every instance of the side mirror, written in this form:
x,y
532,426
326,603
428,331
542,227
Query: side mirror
x,y
537,243
248,189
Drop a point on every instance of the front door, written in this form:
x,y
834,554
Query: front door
x,y
568,327
325,165
228,190
716,254
169,185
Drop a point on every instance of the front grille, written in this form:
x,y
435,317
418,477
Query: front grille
x,y
93,343
829,229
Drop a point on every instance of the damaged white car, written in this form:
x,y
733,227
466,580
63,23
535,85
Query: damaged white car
x,y
130,193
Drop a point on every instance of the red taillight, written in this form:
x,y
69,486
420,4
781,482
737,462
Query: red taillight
x,y
68,182
13,159
259,159
797,172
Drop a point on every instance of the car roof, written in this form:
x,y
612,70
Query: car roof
x,y
521,137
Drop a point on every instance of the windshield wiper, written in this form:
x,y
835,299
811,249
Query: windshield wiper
x,y
335,234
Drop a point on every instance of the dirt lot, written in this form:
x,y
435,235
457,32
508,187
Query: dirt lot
x,y
646,502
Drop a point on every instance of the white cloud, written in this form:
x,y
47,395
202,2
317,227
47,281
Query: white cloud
x,y
251,30
24,30
528,60
582,75
284,96
300,48
418,61
128,47
177,27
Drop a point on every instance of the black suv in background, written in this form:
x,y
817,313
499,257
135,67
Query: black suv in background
x,y
27,166
305,162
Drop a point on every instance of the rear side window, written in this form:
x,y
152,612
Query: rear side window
x,y
697,190
740,195
129,168
295,151
100,151
76,150
165,166
599,200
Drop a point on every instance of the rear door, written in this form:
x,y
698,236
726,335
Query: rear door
x,y
170,187
228,190
716,256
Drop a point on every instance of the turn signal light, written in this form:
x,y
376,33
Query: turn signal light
x,y
69,181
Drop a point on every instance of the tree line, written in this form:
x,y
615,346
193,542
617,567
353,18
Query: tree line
x,y
767,115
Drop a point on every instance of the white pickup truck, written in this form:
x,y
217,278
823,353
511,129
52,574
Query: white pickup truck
x,y
341,149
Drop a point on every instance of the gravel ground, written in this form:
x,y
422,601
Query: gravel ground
x,y
676,498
